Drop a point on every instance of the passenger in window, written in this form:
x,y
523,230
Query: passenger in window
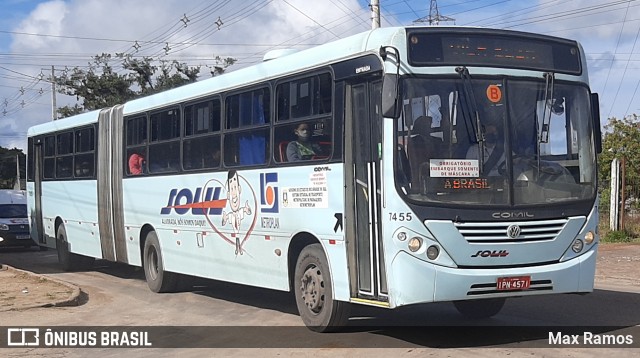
x,y
303,148
136,164
82,169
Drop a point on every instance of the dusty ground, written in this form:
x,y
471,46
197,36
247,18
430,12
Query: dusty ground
x,y
617,264
22,290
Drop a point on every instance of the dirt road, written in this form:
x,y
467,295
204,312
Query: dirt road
x,y
618,264
122,297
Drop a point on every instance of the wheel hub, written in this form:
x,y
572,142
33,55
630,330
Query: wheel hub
x,y
312,287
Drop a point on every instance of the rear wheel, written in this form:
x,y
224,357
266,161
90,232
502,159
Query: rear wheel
x,y
477,309
68,260
157,278
314,293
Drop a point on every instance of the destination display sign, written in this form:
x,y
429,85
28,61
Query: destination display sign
x,y
493,49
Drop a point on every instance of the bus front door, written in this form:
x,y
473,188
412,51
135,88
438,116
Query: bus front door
x,y
363,130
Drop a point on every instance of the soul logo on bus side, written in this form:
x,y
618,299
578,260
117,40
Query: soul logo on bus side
x,y
240,199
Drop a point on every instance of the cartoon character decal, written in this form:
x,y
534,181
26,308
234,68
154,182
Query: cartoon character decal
x,y
206,202
237,213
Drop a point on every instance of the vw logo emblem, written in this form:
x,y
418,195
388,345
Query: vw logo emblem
x,y
513,231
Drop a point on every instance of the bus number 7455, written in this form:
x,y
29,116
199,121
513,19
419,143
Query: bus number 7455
x,y
400,216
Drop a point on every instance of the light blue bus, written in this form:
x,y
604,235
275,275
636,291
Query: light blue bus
x,y
440,164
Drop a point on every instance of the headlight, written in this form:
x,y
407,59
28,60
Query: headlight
x,y
589,237
402,236
577,246
415,243
4,227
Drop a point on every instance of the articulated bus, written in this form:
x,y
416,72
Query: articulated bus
x,y
448,164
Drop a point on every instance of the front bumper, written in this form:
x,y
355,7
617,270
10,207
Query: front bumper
x,y
416,281
10,238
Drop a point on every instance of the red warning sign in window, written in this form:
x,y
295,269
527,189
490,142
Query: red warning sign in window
x,y
494,93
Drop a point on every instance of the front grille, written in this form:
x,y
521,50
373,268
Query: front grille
x,y
491,288
18,228
530,231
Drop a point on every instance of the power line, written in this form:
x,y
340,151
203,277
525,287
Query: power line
x,y
308,17
625,70
617,45
562,14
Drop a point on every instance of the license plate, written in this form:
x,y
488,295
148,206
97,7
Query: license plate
x,y
23,237
513,283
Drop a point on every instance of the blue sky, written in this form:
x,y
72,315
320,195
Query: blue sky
x,y
35,35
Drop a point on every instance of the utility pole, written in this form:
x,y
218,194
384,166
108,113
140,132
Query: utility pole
x,y
614,204
16,185
375,14
622,189
434,17
54,110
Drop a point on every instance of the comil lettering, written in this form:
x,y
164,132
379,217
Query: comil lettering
x,y
512,215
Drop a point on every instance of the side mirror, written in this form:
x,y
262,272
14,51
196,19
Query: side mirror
x,y
391,96
595,115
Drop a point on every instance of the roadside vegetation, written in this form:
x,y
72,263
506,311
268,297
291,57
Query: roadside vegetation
x,y
629,234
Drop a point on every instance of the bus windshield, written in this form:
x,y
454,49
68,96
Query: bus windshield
x,y
495,141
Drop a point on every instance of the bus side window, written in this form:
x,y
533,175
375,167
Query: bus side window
x,y
282,94
63,167
64,155
323,95
84,166
164,157
249,109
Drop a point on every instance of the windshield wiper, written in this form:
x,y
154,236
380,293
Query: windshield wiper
x,y
471,115
549,86
543,135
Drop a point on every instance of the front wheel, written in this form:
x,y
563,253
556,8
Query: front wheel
x,y
157,278
478,309
312,286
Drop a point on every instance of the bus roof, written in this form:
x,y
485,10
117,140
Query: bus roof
x,y
65,123
290,63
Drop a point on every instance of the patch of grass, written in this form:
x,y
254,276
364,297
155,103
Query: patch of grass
x,y
630,233
617,236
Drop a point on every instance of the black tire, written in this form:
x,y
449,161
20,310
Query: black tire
x,y
312,286
157,278
68,260
478,309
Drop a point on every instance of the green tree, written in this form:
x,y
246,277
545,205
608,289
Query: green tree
x,y
100,86
8,166
621,139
